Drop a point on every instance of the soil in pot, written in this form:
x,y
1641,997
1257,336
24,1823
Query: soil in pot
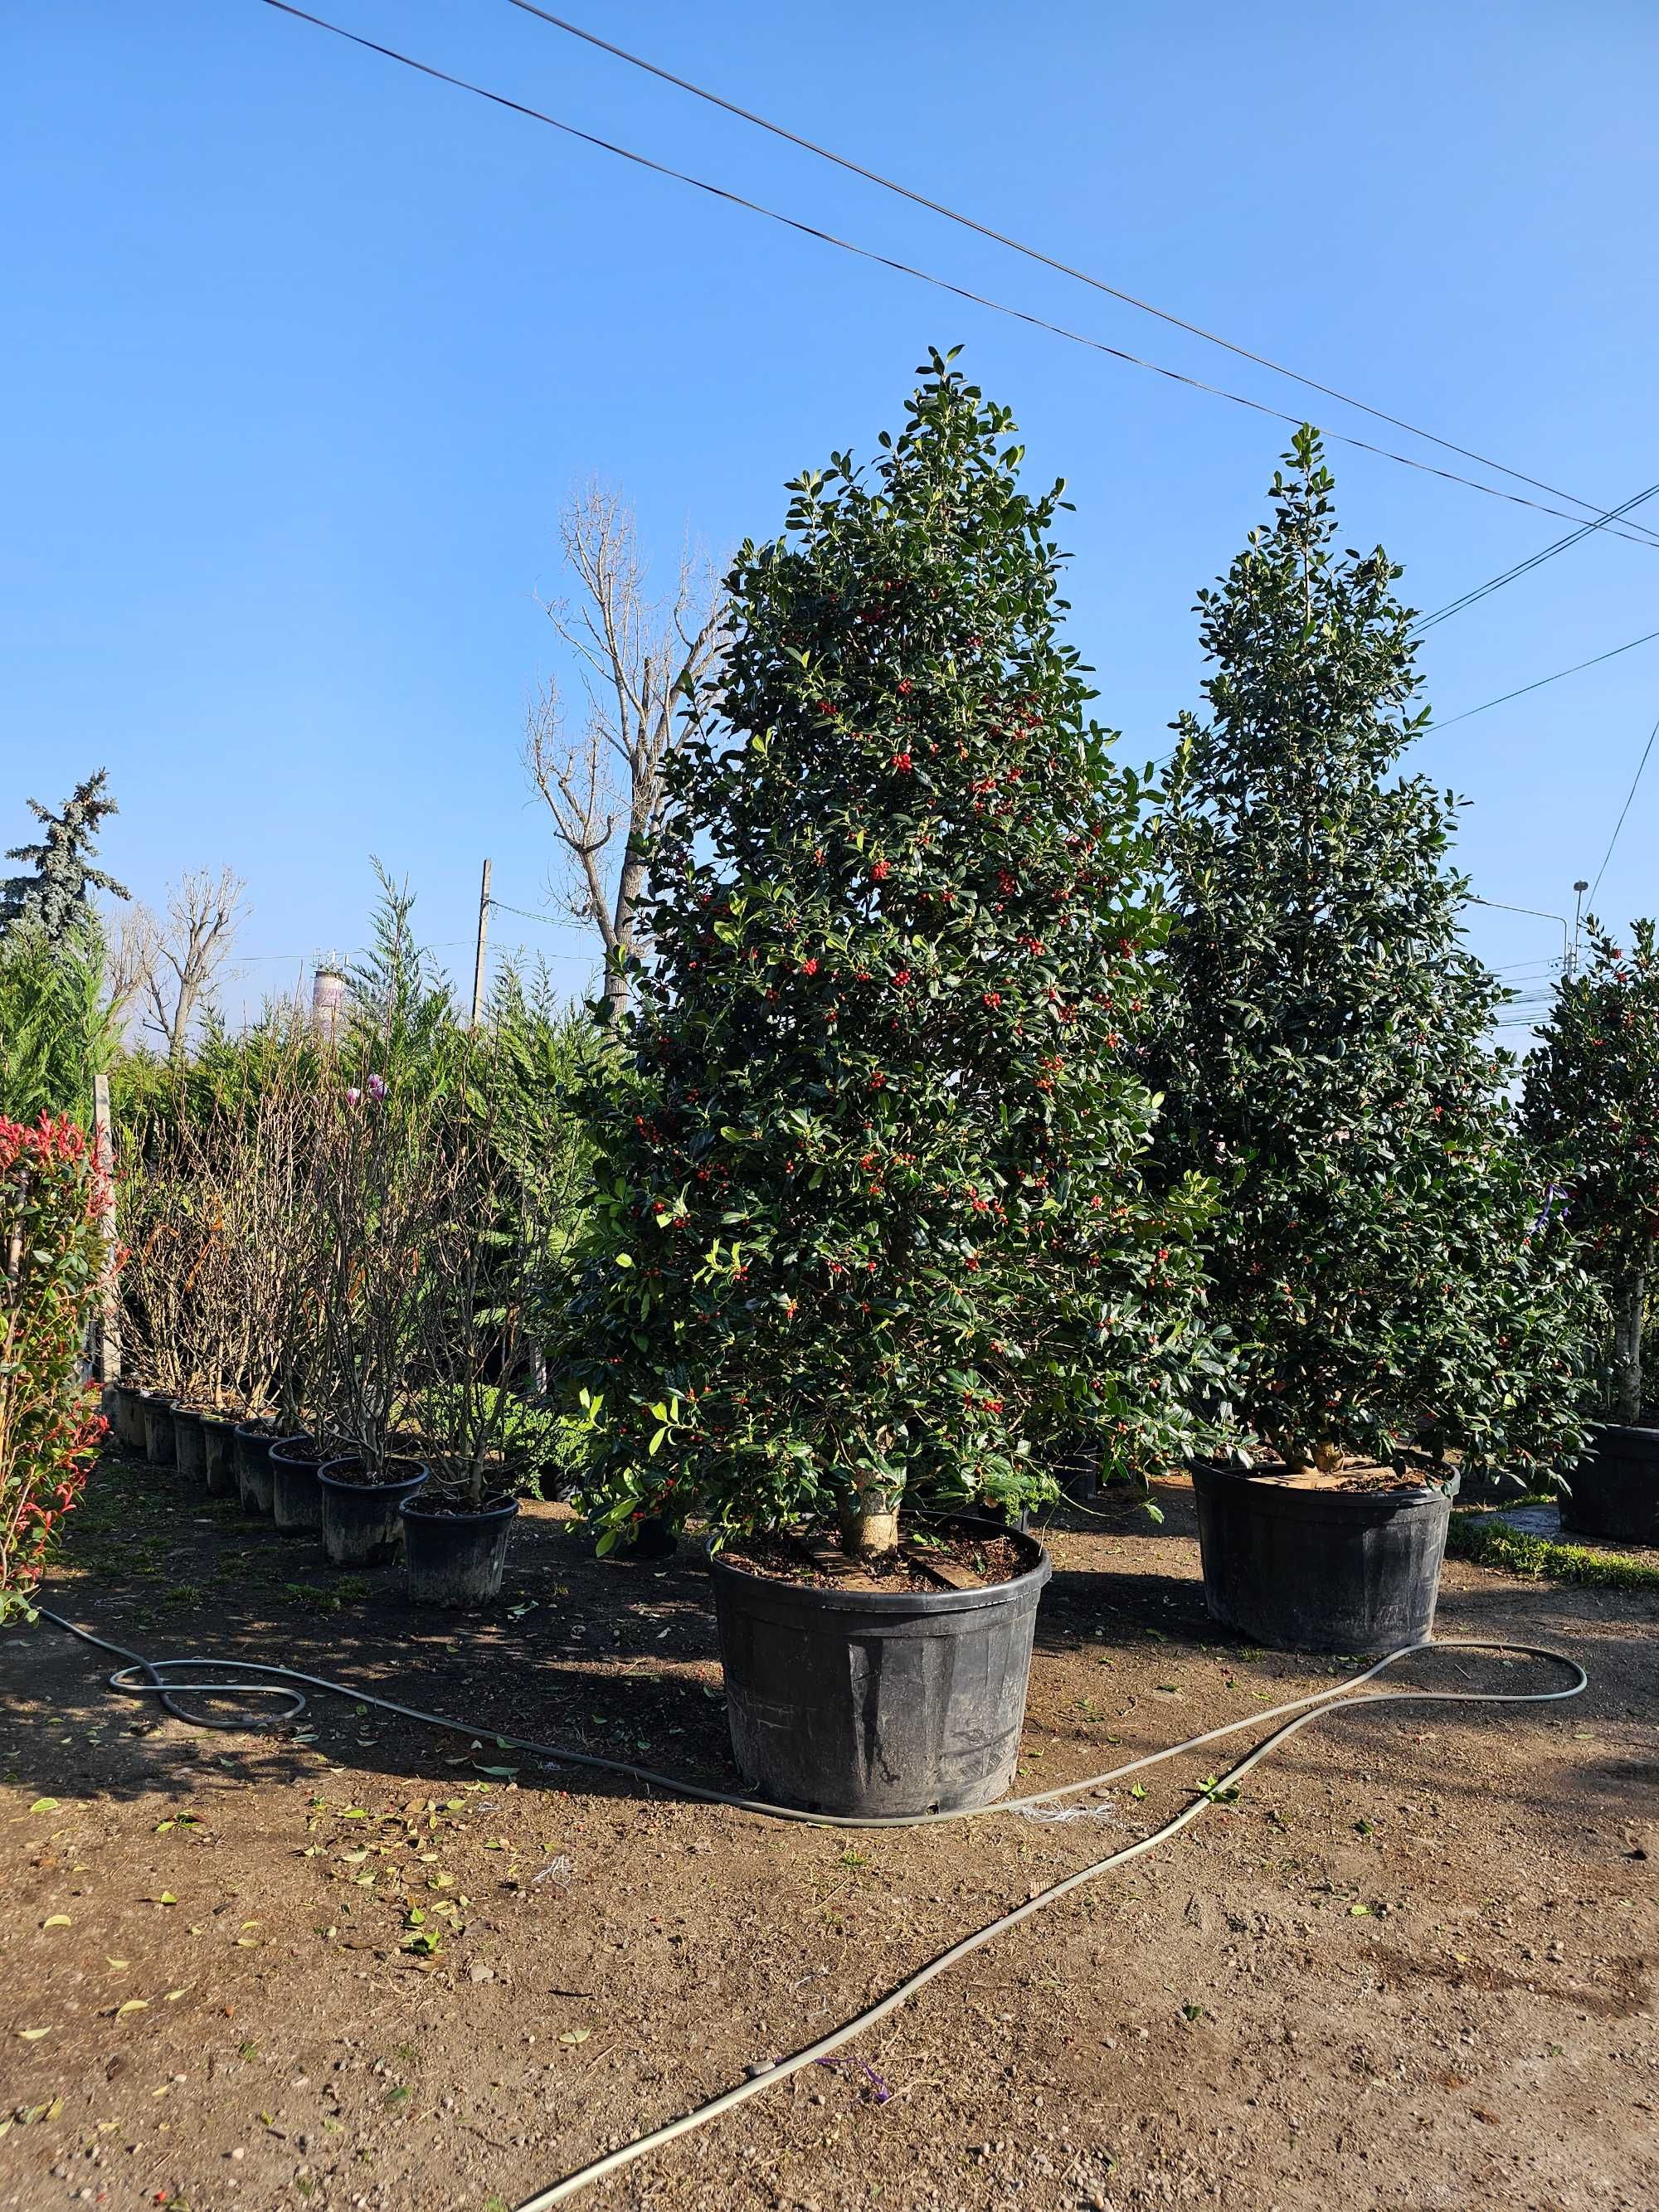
x,y
253,1440
886,1691
361,1519
189,1445
455,1555
1614,1491
159,1447
1307,1562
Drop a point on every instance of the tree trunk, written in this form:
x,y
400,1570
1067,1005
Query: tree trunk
x,y
616,981
1629,1308
869,1532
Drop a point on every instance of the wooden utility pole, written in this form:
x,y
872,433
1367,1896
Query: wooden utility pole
x,y
484,937
107,1362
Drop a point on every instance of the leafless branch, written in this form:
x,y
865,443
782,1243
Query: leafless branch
x,y
189,949
639,659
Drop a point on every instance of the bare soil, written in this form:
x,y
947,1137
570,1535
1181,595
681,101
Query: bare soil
x,y
1412,1967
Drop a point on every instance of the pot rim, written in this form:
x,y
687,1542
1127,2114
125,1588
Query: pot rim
x,y
377,1489
900,1604
503,1509
1423,1497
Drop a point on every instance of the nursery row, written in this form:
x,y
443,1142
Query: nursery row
x,y
973,1102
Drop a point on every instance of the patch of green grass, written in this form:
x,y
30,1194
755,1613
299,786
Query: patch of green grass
x,y
1490,1542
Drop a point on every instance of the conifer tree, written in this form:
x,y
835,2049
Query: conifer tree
x,y
871,1223
1331,1060
56,898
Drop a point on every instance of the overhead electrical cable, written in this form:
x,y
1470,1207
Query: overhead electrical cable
x,y
1521,568
922,276
1486,707
1049,260
1629,796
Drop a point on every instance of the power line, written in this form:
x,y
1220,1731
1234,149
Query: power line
x,y
1612,654
1546,553
922,276
1049,260
1623,811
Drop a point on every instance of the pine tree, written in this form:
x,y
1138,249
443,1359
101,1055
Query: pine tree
x,y
1591,1107
1331,1060
56,898
871,1220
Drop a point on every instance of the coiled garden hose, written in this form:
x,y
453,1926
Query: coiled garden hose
x,y
141,1677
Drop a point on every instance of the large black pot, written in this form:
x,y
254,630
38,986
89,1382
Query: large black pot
x,y
1302,1570
362,1521
159,1447
253,1443
1614,1489
219,1455
296,1502
189,1446
875,1702
457,1559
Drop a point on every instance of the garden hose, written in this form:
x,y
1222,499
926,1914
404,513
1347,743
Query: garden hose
x,y
140,1677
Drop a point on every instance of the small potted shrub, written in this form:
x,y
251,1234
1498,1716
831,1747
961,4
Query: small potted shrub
x,y
1329,1061
1591,1102
869,1223
52,1204
495,1248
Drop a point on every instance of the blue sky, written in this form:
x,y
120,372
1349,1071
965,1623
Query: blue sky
x,y
304,351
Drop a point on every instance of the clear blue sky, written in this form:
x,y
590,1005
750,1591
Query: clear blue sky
x,y
304,350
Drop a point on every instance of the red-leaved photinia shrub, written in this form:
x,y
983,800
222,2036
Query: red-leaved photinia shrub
x,y
52,1202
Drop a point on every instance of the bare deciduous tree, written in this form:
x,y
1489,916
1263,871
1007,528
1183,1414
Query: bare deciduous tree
x,y
130,962
189,949
640,659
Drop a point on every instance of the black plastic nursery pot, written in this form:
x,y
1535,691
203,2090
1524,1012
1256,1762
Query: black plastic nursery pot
x,y
362,1521
218,1455
254,1481
1314,1569
1614,1489
457,1559
652,1538
130,1416
877,1702
189,1445
159,1447
296,1500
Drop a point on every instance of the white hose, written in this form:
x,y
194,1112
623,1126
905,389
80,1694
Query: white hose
x,y
282,1681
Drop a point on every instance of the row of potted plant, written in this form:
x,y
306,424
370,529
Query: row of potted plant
x,y
332,1275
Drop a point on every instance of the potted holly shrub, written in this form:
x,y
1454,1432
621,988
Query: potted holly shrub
x,y
870,1228
1591,1102
1329,1061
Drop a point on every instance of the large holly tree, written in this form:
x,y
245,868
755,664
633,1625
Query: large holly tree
x,y
1591,1102
871,1223
1330,1057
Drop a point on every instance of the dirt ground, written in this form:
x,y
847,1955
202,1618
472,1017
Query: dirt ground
x,y
365,1967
